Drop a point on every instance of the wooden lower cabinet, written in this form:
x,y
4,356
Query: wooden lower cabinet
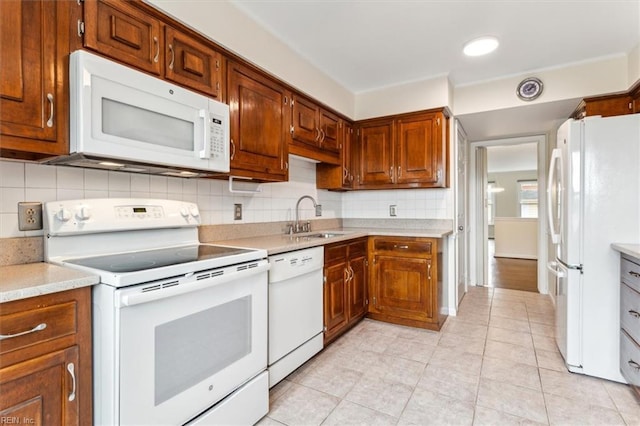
x,y
45,374
404,286
345,286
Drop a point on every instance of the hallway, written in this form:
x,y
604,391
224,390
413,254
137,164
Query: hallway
x,y
513,274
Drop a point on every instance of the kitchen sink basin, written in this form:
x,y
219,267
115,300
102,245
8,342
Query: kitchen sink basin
x,y
325,235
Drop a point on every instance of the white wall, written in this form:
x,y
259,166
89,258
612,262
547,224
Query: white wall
x,y
36,182
576,81
228,26
634,64
411,204
414,96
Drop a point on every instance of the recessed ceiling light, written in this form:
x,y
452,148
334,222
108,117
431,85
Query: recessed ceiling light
x,y
481,46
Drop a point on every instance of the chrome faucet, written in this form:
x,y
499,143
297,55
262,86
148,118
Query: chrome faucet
x,y
296,227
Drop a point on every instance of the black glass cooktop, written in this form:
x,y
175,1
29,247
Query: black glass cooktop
x,y
150,259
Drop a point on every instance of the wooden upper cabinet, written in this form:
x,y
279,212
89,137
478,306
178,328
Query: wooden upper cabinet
x,y
193,64
404,151
375,153
125,33
315,132
605,106
34,95
340,177
419,151
258,118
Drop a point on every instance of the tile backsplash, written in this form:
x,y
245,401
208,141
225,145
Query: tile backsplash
x,y
275,202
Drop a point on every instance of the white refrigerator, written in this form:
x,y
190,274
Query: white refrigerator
x,y
593,200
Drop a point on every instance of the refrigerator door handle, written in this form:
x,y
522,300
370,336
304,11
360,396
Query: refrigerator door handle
x,y
551,266
556,157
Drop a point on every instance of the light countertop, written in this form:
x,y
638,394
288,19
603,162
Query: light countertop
x,y
34,279
632,250
281,243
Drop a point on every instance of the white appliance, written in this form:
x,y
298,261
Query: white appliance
x,y
593,201
123,119
295,310
179,328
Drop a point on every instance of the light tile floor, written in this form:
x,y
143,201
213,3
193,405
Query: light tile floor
x,y
496,363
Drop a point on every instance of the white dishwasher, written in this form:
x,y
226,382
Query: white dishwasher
x,y
295,310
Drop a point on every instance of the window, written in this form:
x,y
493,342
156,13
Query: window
x,y
528,198
491,202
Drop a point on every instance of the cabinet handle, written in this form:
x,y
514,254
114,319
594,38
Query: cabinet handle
x,y
352,273
399,171
633,364
345,275
345,174
634,314
157,55
317,134
429,271
634,274
50,120
38,327
72,371
439,175
403,247
391,172
322,135
285,100
173,56
233,149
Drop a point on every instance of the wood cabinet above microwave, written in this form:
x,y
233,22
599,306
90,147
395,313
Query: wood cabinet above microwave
x,y
128,34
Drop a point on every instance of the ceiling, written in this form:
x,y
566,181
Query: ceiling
x,y
368,44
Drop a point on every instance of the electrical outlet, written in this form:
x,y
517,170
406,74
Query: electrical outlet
x,y
29,216
318,209
237,212
393,210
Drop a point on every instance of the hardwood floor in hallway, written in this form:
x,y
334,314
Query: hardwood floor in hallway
x,y
513,274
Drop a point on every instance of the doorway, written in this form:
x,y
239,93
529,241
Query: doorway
x,y
509,254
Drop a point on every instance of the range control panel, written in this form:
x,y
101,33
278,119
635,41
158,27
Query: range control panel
x,y
117,214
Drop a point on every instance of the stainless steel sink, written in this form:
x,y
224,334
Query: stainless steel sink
x,y
324,235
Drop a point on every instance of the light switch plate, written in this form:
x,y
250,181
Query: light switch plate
x,y
393,210
237,212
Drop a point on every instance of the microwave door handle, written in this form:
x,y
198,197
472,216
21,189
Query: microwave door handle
x,y
205,152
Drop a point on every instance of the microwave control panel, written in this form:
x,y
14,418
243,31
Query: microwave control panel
x,y
216,138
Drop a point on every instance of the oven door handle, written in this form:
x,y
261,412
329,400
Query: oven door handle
x,y
132,299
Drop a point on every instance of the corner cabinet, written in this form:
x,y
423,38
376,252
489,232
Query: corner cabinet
x,y
45,359
34,91
345,285
340,177
404,151
258,117
315,132
405,286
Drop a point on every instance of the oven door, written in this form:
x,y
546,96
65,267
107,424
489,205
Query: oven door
x,y
183,352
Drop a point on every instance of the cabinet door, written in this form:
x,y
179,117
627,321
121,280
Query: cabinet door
x,y
33,83
330,131
403,287
335,306
357,287
42,391
419,149
305,128
329,176
376,154
192,64
120,30
258,124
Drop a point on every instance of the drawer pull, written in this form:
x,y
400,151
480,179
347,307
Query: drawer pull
x,y
404,247
633,364
429,271
72,371
634,314
33,330
634,274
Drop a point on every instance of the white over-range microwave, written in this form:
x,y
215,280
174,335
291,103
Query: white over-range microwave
x,y
123,119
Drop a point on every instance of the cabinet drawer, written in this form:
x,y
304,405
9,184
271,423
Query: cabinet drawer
x,y
358,248
403,246
630,311
335,253
630,273
38,325
629,359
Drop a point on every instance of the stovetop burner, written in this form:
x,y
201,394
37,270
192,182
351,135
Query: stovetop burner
x,y
151,259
